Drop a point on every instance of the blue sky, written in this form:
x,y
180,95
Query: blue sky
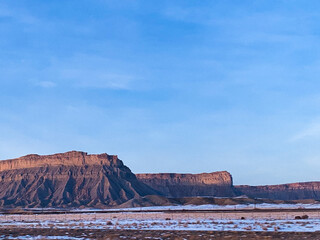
x,y
169,86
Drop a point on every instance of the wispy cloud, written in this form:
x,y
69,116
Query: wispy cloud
x,y
310,132
46,84
91,71
98,79
17,14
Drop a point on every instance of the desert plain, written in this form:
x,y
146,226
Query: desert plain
x,y
193,222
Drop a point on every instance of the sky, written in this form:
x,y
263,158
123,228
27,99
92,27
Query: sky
x,y
168,86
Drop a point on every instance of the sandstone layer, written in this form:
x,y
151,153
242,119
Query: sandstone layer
x,y
71,179
217,184
291,191
73,158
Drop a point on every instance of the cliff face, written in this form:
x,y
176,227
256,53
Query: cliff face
x,y
292,191
72,158
218,184
69,179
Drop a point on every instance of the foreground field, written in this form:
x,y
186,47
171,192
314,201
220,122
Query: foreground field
x,y
192,223
86,234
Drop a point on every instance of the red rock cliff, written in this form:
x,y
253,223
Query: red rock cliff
x,y
218,184
69,179
73,158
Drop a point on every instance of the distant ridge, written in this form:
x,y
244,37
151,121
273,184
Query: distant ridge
x,y
220,184
289,191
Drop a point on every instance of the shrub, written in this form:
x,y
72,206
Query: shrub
x,y
275,228
248,228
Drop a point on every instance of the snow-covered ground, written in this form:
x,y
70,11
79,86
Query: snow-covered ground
x,y
192,207
222,207
153,220
306,225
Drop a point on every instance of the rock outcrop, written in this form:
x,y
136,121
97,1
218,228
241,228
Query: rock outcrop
x,y
217,184
78,179
71,179
292,191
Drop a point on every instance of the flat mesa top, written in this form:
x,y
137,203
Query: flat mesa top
x,y
220,177
72,158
